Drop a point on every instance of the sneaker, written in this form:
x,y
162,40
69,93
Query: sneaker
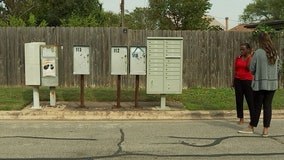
x,y
265,134
246,131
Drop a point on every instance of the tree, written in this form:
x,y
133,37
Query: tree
x,y
109,19
56,11
15,8
139,19
179,15
263,10
77,21
53,12
19,22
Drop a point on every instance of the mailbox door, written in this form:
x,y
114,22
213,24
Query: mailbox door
x,y
137,60
81,60
119,60
173,66
49,65
155,67
32,63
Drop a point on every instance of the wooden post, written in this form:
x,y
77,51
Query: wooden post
x,y
122,12
82,105
136,91
118,92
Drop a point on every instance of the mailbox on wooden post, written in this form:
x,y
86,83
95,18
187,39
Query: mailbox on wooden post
x,y
81,66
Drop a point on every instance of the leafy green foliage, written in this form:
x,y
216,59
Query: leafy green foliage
x,y
161,14
77,21
140,19
48,12
109,19
263,10
262,28
19,22
179,15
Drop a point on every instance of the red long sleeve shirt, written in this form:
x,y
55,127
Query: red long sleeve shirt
x,y
242,71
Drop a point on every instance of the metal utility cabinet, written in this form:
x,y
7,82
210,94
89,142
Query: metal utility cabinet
x,y
164,66
41,69
32,63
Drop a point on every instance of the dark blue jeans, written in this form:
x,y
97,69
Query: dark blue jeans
x,y
263,99
243,89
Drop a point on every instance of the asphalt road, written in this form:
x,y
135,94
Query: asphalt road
x,y
166,139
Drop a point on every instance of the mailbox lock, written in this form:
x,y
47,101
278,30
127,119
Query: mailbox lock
x,y
45,67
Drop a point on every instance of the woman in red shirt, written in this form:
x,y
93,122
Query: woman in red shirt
x,y
242,79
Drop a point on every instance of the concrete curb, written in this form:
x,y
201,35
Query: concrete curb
x,y
124,115
107,111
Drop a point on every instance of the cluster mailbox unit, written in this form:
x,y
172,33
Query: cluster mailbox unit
x,y
164,66
163,69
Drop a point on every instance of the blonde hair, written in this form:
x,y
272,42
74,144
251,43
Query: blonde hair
x,y
265,43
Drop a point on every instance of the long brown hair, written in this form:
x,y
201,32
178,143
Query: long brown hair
x,y
265,43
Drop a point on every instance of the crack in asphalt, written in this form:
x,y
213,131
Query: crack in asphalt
x,y
217,141
119,150
120,153
50,138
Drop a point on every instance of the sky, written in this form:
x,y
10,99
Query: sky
x,y
219,10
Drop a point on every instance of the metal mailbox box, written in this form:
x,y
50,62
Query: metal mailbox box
x,y
137,60
119,60
81,60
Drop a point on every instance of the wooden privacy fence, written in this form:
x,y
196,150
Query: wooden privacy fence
x,y
208,55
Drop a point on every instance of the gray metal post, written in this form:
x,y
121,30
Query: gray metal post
x,y
52,96
36,98
163,101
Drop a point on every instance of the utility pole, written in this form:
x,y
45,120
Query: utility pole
x,y
122,12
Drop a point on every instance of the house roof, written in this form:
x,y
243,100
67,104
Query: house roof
x,y
241,27
277,24
214,22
